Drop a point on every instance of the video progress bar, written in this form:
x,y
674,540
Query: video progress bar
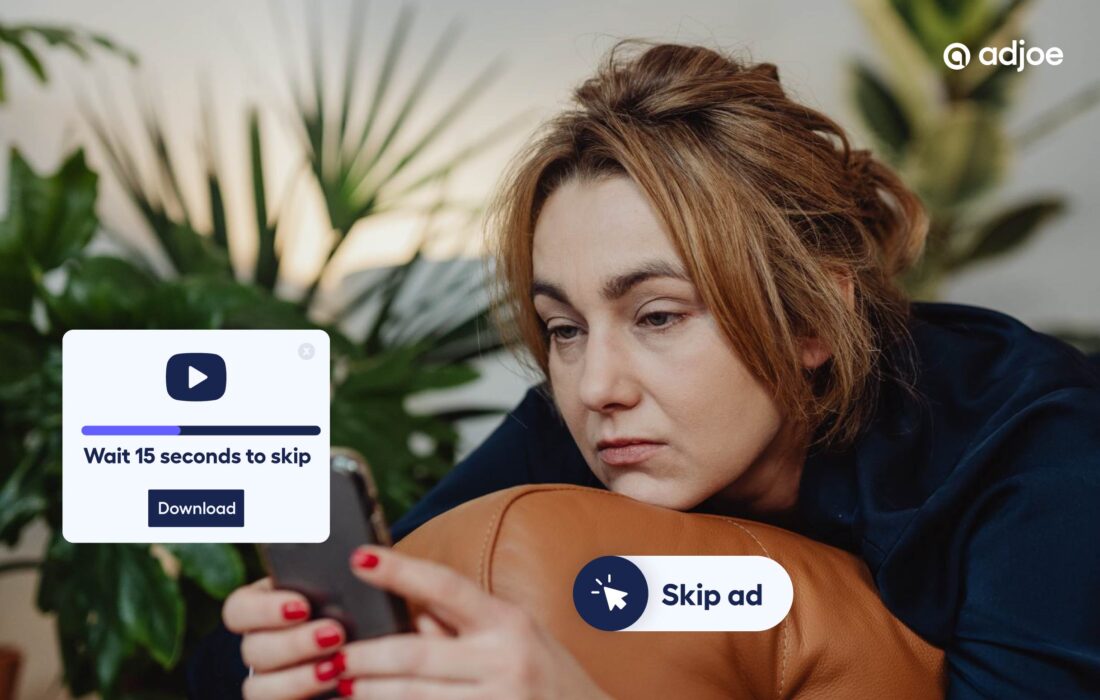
x,y
201,430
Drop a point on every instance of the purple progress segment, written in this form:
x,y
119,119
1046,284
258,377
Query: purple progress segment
x,y
240,430
130,430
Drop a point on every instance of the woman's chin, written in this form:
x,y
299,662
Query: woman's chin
x,y
656,492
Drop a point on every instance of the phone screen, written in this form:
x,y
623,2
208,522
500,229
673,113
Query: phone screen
x,y
321,571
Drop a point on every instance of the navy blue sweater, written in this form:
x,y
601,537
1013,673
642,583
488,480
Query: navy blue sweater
x,y
976,506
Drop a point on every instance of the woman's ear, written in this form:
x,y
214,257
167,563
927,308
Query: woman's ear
x,y
814,353
847,287
814,350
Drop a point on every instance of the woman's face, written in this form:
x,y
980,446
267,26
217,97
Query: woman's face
x,y
636,356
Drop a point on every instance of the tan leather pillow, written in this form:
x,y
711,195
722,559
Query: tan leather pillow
x,y
526,545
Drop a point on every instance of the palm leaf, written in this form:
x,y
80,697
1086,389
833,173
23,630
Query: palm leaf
x,y
159,199
394,47
267,260
209,151
76,41
356,156
366,160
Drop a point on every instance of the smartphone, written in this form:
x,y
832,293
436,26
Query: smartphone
x,y
322,573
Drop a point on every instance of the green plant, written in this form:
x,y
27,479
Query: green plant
x,y
20,38
126,614
110,601
946,132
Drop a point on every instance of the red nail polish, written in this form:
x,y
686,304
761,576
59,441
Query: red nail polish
x,y
364,559
346,687
329,668
295,610
340,662
327,637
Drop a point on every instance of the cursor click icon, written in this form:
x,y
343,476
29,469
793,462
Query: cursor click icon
x,y
615,598
619,595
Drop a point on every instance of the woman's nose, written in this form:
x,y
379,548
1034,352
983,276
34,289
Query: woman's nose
x,y
607,382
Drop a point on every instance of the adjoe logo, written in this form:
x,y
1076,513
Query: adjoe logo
x,y
956,56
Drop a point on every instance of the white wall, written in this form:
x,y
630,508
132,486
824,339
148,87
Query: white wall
x,y
549,47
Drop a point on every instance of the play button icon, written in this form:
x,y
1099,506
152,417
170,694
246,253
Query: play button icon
x,y
195,376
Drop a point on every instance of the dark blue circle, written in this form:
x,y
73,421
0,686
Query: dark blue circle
x,y
624,576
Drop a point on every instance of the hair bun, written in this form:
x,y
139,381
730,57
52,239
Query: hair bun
x,y
668,81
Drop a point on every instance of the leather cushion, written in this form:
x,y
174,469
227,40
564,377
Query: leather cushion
x,y
526,544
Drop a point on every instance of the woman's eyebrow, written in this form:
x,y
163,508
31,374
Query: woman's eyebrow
x,y
551,290
617,286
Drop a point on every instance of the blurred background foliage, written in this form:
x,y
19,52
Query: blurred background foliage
x,y
127,614
947,132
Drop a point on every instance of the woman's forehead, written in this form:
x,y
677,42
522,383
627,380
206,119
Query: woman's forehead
x,y
607,225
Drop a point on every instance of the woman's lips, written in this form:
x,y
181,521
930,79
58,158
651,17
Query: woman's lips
x,y
629,454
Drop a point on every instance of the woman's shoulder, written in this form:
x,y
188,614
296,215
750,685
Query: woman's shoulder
x,y
1003,430
991,402
981,348
989,392
981,372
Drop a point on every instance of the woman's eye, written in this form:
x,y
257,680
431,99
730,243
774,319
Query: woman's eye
x,y
562,332
661,319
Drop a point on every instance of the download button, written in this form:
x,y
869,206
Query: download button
x,y
196,508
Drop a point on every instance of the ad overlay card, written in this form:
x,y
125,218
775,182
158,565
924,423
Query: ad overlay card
x,y
195,436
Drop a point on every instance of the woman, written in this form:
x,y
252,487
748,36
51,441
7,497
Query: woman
x,y
702,270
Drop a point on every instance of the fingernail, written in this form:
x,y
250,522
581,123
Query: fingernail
x,y
364,559
327,637
295,610
346,687
340,662
329,668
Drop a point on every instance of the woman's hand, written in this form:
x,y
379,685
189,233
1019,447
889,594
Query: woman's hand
x,y
290,656
469,645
